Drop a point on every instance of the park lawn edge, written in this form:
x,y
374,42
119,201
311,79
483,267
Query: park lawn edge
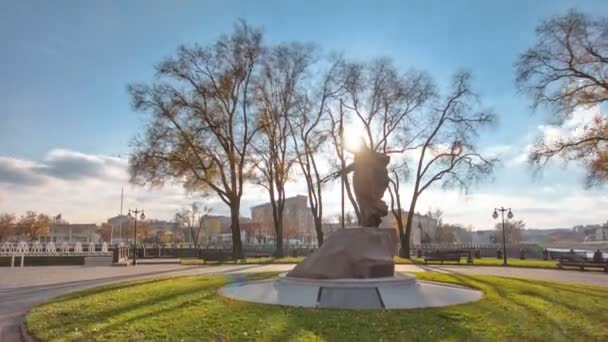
x,y
454,318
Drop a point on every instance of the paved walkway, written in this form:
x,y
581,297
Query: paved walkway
x,y
23,288
587,278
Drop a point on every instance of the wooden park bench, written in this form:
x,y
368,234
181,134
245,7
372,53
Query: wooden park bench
x,y
582,261
218,255
442,256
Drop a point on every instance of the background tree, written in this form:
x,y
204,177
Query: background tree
x,y
105,231
444,233
383,99
277,95
513,231
337,135
202,122
252,230
452,233
446,150
58,219
144,231
565,70
191,219
163,236
350,219
7,226
435,215
309,132
33,226
291,232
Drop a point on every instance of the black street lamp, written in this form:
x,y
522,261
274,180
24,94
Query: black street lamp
x,y
134,213
504,239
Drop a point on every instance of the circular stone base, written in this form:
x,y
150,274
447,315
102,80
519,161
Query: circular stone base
x,y
398,292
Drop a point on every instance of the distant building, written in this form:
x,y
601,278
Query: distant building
x,y
65,232
225,239
218,223
297,219
120,226
156,225
216,229
423,226
601,234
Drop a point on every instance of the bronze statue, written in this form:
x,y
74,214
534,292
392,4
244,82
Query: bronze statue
x,y
370,180
364,252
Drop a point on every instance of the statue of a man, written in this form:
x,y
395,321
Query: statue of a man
x,y
370,180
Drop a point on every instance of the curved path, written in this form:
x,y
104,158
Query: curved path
x,y
23,288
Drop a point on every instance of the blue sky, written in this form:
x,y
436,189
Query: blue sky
x,y
65,65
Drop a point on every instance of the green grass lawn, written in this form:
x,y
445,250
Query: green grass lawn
x,y
189,309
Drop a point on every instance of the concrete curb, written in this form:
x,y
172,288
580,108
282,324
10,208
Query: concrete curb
x,y
25,337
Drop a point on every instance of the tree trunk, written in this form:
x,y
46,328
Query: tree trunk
x,y
237,247
319,230
278,253
277,205
393,189
402,237
404,252
352,198
192,236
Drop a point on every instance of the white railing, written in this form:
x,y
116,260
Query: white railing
x,y
36,248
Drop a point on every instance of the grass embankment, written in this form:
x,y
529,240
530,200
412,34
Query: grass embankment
x,y
532,263
189,309
252,261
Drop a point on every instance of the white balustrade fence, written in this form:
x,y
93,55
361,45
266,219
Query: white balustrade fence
x,y
7,248
65,248
23,248
78,248
38,248
91,248
50,248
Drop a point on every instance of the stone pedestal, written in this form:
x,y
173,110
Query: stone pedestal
x,y
354,269
398,292
352,253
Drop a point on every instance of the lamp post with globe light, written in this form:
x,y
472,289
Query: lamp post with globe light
x,y
504,240
134,213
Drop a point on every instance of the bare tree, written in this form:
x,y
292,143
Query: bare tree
x,y
446,150
435,215
309,132
513,231
565,70
191,219
337,135
278,92
201,124
383,101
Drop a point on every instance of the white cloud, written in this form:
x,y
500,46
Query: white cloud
x,y
89,191
83,187
574,126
